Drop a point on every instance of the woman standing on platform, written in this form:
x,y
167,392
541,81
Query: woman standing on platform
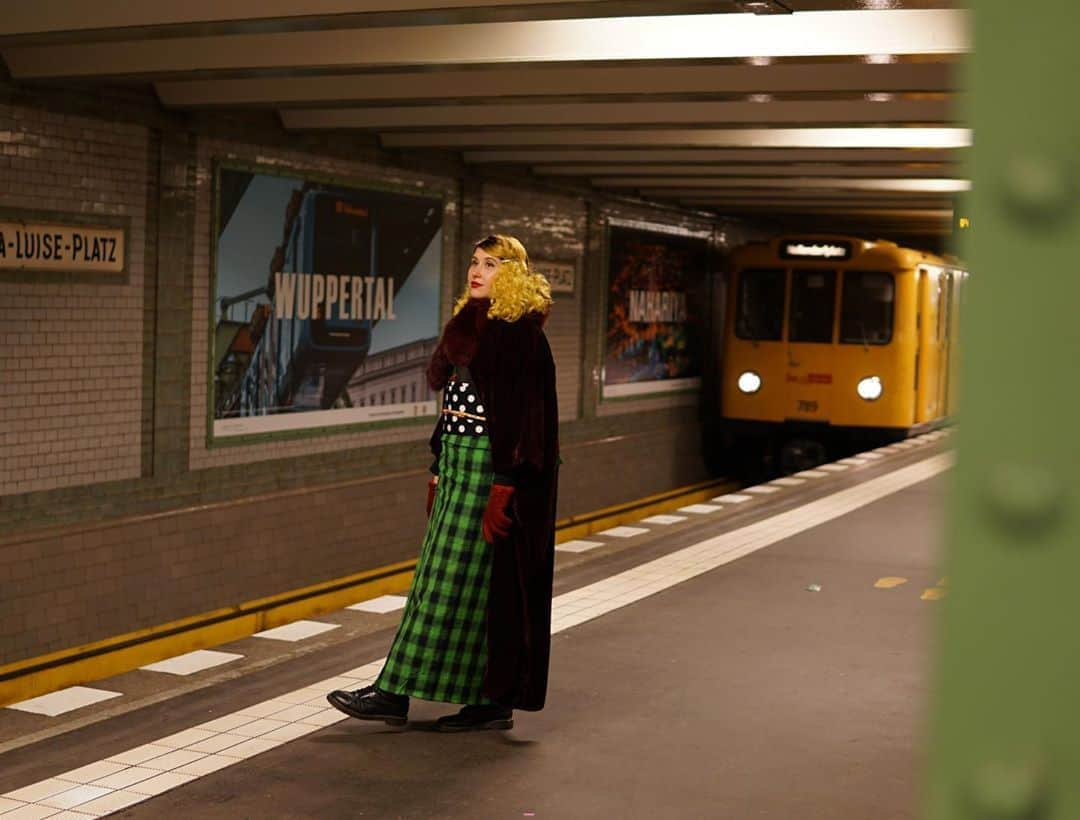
x,y
477,625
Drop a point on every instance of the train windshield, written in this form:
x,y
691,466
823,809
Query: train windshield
x,y
866,313
813,301
760,308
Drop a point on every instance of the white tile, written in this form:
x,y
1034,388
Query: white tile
x,y
65,700
700,509
162,783
732,498
8,805
216,743
127,777
812,474
88,774
269,707
72,814
258,727
297,712
192,662
762,489
253,746
624,532
382,604
182,740
324,718
296,631
788,481
31,811
206,765
872,455
369,670
578,546
140,754
225,723
833,468
40,790
75,797
290,732
663,519
112,802
173,760
855,461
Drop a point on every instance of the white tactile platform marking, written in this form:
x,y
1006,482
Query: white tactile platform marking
x,y
192,662
137,774
812,474
382,604
761,489
832,468
296,631
578,546
624,532
701,509
854,461
64,700
662,519
788,481
733,498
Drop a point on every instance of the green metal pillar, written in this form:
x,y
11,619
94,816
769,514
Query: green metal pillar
x,y
1005,731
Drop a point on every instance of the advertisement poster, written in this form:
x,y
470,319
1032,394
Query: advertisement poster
x,y
656,292
325,303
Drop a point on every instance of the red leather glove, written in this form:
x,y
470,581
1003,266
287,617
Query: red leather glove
x,y
431,485
496,521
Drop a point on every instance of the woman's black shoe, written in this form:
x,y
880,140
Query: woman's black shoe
x,y
473,718
371,704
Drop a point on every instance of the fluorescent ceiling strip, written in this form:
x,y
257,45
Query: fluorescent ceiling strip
x,y
902,137
936,186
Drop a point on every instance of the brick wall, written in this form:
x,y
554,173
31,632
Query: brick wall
x,y
71,362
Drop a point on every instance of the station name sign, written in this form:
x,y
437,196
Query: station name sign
x,y
49,246
815,250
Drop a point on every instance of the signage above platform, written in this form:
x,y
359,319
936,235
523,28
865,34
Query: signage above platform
x,y
815,250
53,246
560,275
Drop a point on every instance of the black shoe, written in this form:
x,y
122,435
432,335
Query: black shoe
x,y
371,704
473,718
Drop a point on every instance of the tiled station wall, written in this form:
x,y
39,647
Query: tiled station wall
x,y
115,513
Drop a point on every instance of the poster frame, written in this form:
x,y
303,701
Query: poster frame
x,y
704,234
303,173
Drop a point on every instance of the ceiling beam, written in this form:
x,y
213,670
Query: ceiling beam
x,y
747,170
611,113
915,186
72,19
679,37
549,158
779,78
686,137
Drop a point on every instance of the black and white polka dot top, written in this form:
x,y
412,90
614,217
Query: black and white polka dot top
x,y
463,410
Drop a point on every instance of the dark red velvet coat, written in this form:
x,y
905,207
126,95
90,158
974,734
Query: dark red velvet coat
x,y
513,371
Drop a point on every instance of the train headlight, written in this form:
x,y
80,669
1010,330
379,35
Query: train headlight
x,y
749,382
870,388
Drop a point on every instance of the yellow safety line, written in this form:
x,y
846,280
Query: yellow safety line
x,y
40,675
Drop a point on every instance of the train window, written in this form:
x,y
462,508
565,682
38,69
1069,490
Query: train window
x,y
813,305
760,305
866,311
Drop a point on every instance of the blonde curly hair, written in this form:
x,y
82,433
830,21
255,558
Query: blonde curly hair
x,y
516,288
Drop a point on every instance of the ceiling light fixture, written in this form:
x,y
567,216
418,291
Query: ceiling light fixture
x,y
763,7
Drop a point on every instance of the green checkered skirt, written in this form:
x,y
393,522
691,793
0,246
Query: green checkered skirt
x,y
440,650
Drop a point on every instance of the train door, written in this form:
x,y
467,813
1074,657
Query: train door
x,y
944,324
811,326
928,357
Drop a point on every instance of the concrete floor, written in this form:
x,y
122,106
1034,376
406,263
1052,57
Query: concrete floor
x,y
738,694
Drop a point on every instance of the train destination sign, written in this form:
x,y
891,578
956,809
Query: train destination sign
x,y
815,250
48,246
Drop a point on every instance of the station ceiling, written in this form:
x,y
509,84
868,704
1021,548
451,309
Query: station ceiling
x,y
819,114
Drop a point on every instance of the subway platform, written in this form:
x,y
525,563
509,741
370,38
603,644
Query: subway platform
x,y
764,654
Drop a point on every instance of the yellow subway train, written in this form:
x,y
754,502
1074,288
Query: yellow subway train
x,y
834,342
